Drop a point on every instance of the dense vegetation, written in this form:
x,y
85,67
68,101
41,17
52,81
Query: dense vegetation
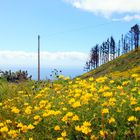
x,y
17,76
125,65
104,107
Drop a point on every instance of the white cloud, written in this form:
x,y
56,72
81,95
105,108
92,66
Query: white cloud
x,y
108,7
128,18
50,59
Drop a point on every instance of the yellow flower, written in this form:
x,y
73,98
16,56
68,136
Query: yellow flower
x,y
85,130
36,123
76,104
134,89
28,110
24,128
111,120
64,119
42,103
57,128
20,125
64,108
111,82
101,79
125,83
137,109
119,87
8,121
78,128
0,104
69,114
105,111
107,94
12,133
132,118
87,124
75,118
1,124
134,75
4,129
30,127
37,117
93,137
138,79
133,101
91,79
30,138
103,133
15,110
64,134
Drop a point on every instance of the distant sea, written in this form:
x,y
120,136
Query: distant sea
x,y
46,72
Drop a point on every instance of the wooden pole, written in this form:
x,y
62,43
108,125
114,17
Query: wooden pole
x,y
38,57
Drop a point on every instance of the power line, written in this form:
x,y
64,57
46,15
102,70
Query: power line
x,y
79,29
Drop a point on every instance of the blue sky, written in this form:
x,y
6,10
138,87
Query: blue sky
x,y
69,27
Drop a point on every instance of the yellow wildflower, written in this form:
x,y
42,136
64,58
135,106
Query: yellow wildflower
x,y
105,111
28,110
119,87
30,127
24,128
0,104
91,79
111,82
15,110
125,83
134,75
103,133
133,101
107,94
13,133
8,121
57,128
85,130
75,118
101,79
1,124
137,109
132,118
69,114
20,125
37,117
112,120
76,104
78,128
4,129
87,124
64,134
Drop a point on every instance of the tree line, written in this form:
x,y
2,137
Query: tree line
x,y
109,49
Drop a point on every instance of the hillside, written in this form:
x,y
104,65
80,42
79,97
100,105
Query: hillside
x,y
122,66
105,108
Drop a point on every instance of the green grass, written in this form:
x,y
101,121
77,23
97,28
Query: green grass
x,y
123,63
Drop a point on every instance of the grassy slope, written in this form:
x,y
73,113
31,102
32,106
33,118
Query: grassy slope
x,y
127,62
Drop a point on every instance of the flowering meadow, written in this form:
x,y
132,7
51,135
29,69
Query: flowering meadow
x,y
104,108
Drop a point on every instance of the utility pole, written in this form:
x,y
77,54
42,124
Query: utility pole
x,y
38,57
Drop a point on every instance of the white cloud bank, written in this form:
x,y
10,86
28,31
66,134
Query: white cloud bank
x,y
109,7
48,59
